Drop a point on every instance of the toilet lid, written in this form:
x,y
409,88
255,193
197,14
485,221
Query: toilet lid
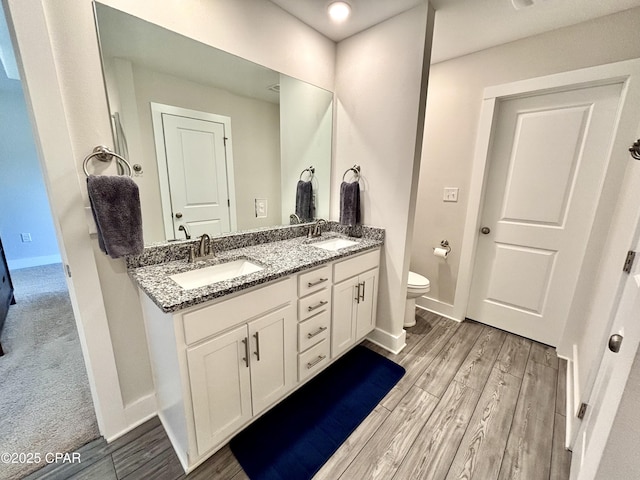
x,y
417,280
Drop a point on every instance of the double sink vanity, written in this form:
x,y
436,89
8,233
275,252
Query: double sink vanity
x,y
232,335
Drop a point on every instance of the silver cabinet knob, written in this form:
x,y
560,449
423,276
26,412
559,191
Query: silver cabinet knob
x,y
615,342
485,230
178,215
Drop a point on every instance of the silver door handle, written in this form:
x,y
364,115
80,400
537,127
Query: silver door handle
x,y
257,352
311,308
357,299
313,284
316,361
362,296
317,332
246,350
615,342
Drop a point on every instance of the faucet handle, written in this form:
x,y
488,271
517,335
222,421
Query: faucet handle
x,y
192,254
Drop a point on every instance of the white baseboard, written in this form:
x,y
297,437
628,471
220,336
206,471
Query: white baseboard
x,y
392,343
137,413
439,308
438,313
33,261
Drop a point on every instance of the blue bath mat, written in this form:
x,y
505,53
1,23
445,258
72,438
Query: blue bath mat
x,y
295,438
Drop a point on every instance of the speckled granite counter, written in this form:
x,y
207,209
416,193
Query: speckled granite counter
x,y
279,259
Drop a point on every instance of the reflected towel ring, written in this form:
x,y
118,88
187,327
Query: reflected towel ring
x,y
103,154
355,169
311,171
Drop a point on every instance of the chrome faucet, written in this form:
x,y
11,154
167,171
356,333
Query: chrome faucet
x,y
185,228
315,230
205,250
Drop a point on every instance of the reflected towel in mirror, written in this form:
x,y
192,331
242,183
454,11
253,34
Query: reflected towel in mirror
x,y
304,201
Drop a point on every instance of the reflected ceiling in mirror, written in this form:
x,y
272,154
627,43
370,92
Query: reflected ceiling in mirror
x,y
221,143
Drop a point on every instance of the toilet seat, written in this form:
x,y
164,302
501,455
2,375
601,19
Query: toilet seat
x,y
417,281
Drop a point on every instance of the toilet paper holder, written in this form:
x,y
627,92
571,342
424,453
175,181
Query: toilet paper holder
x,y
444,244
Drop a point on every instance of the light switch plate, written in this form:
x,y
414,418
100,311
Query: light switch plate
x,y
261,207
450,194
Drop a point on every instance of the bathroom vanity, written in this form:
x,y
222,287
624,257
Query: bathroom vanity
x,y
224,353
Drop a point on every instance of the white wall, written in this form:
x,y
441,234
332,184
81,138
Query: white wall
x,y
453,109
379,80
305,140
25,207
58,46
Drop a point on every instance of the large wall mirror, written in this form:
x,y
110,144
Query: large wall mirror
x,y
219,143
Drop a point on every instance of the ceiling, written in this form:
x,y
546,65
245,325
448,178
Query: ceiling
x,y
461,26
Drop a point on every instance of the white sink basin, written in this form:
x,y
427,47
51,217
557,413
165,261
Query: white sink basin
x,y
334,244
215,273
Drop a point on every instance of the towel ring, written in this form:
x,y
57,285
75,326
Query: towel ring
x,y
103,154
355,169
311,171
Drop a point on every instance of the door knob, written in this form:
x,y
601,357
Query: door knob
x,y
485,230
178,215
615,341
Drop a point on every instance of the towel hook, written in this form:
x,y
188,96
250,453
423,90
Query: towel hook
x,y
635,150
103,154
355,169
311,171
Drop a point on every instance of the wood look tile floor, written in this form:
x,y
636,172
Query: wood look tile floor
x,y
475,403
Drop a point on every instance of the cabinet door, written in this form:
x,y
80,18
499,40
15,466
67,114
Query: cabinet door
x,y
273,357
220,387
366,305
343,316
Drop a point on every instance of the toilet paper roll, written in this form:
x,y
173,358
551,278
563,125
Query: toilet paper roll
x,y
441,252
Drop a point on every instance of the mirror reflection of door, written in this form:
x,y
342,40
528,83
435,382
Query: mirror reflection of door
x,y
195,168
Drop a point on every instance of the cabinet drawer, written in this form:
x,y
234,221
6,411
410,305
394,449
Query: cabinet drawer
x,y
314,280
356,265
313,360
313,330
314,303
207,321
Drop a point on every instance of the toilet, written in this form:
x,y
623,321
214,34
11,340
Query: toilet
x,y
416,287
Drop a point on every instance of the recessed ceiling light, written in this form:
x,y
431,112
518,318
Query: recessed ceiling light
x,y
339,11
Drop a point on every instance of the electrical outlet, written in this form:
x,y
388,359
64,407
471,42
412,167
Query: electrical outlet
x,y
26,237
261,207
450,194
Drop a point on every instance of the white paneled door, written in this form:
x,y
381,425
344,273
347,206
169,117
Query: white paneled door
x,y
546,168
197,174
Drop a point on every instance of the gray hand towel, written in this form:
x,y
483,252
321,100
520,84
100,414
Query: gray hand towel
x,y
115,203
350,203
304,201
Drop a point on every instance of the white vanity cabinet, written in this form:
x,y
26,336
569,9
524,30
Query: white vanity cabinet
x,y
238,374
219,365
355,294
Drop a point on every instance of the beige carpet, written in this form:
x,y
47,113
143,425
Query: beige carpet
x,y
45,403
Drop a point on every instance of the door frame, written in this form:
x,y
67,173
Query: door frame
x,y
624,206
592,76
157,109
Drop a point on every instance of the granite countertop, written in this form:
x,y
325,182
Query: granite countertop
x,y
278,259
